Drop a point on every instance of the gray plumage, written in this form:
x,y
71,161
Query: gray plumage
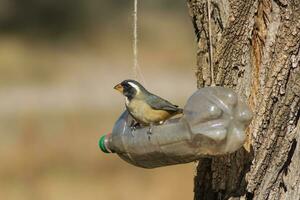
x,y
159,103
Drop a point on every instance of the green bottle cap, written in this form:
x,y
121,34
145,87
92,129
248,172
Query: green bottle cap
x,y
102,144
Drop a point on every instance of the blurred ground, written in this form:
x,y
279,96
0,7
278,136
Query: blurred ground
x,y
56,96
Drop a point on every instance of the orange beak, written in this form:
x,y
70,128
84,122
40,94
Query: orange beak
x,y
119,87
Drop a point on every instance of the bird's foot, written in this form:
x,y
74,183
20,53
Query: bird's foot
x,y
134,125
149,132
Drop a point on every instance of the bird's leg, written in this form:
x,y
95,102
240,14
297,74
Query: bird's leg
x,y
137,125
149,132
134,125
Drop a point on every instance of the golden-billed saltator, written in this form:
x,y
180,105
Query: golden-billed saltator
x,y
146,108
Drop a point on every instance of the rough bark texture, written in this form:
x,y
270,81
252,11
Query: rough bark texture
x,y
256,46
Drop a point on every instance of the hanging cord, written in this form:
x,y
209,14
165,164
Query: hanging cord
x,y
136,68
211,62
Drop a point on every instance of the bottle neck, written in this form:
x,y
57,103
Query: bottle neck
x,y
103,144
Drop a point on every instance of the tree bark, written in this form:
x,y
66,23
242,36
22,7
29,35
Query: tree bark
x,y
256,45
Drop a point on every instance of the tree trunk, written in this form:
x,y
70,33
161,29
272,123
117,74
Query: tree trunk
x,y
256,45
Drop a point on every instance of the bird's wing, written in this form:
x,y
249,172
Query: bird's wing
x,y
158,103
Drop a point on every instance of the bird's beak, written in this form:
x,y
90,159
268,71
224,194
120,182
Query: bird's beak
x,y
119,87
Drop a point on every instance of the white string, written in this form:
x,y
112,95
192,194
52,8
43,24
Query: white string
x,y
211,58
135,50
136,69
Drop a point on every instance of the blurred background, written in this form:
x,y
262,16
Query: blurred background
x,y
59,60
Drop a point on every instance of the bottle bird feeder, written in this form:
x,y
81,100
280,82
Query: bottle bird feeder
x,y
213,123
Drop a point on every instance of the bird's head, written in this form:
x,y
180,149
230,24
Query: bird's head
x,y
130,88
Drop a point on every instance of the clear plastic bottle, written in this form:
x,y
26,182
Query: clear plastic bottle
x,y
213,123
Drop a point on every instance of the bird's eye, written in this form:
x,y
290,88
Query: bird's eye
x,y
127,86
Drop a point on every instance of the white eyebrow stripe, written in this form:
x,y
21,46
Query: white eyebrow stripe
x,y
134,86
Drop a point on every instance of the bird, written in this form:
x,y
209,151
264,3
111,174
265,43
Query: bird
x,y
146,108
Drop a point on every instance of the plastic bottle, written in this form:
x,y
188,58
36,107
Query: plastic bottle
x,y
213,123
